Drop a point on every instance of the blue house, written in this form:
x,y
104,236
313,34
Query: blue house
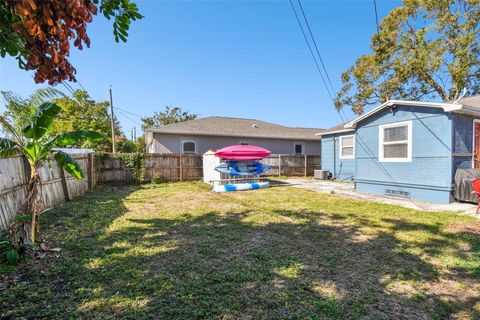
x,y
338,152
407,149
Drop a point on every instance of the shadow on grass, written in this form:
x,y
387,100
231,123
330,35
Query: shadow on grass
x,y
230,266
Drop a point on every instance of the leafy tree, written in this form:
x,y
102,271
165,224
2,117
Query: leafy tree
x,y
80,112
128,146
19,111
425,49
38,33
33,143
169,116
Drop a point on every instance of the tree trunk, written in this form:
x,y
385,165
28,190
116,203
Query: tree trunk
x,y
23,231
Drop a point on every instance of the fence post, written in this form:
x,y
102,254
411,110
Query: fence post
x,y
279,165
90,171
305,165
64,184
180,167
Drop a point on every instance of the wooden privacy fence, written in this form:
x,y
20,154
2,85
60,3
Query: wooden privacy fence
x,y
56,186
185,167
292,165
172,167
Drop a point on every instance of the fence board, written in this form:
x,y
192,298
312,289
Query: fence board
x,y
13,179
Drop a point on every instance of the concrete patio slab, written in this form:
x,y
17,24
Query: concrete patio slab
x,y
346,189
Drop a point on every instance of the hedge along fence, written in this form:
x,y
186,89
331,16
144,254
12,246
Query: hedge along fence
x,y
138,168
56,185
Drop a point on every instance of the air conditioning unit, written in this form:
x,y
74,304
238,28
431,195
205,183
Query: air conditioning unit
x,y
320,174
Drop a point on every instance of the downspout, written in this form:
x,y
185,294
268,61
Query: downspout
x,y
334,157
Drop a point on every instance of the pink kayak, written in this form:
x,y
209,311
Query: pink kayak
x,y
242,153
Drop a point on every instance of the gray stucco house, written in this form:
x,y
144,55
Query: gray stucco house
x,y
210,133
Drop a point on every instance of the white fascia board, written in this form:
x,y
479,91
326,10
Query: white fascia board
x,y
334,132
447,107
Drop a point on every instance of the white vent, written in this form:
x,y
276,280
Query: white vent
x,y
254,125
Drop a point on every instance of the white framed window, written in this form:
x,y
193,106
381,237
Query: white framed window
x,y
299,148
347,147
189,146
395,142
246,142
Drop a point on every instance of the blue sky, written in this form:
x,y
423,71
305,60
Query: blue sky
x,y
243,59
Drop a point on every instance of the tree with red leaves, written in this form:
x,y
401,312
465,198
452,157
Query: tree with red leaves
x,y
38,32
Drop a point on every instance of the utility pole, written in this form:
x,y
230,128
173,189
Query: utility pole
x,y
134,133
114,147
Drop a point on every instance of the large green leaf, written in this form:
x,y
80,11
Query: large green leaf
x,y
74,137
8,148
41,121
69,164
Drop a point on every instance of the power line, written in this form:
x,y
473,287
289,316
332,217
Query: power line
x,y
123,114
376,18
131,113
316,47
311,51
343,117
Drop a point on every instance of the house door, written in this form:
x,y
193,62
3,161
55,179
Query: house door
x,y
476,144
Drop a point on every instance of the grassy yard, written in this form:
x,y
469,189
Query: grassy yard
x,y
178,251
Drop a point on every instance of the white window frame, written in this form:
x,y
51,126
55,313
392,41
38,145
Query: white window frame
x,y
473,142
303,148
340,149
381,143
183,141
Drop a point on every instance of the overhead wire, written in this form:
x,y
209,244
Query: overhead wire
x,y
311,51
330,90
316,47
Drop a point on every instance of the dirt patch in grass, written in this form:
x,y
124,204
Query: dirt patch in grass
x,y
465,227
178,251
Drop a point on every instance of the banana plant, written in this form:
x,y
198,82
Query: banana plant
x,y
37,147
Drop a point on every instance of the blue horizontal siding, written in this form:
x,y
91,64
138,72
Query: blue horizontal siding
x,y
342,169
430,170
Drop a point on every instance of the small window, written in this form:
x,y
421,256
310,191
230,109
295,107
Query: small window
x,y
347,147
395,142
189,146
299,148
246,142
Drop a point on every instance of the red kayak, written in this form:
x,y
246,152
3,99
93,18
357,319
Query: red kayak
x,y
242,153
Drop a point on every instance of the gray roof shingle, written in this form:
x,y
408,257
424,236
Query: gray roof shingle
x,y
473,101
338,128
224,126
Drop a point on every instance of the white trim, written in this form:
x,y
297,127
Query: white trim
x,y
334,132
381,143
447,107
340,147
303,148
473,142
183,141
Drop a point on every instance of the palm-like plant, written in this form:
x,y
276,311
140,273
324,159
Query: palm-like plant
x,y
37,147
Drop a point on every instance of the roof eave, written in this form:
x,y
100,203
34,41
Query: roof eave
x,y
447,107
333,132
191,133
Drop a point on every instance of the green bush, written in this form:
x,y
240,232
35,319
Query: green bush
x,y
8,254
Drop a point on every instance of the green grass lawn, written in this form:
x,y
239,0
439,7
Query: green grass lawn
x,y
179,251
